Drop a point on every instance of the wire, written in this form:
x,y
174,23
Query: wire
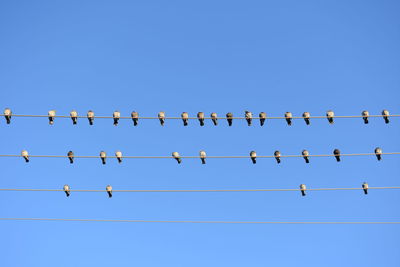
x,y
179,221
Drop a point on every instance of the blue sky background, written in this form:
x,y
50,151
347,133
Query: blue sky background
x,y
211,56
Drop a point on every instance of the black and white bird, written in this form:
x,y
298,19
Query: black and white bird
x,y
25,155
161,117
365,188
277,155
200,116
7,115
336,152
116,116
67,190
70,156
303,189
51,114
214,118
103,156
109,190
185,118
135,117
176,156
330,115
249,117
263,117
289,116
385,115
306,155
306,116
253,156
378,153
90,116
365,115
229,118
203,156
74,116
118,154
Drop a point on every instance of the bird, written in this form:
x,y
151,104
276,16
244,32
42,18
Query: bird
x,y
203,156
177,157
253,156
200,116
67,190
229,118
306,116
277,155
365,115
135,118
288,116
249,117
329,115
51,114
109,190
303,189
378,153
70,156
185,118
74,116
214,118
161,117
118,154
116,116
103,157
305,155
25,155
336,152
90,116
262,116
385,114
7,115
365,188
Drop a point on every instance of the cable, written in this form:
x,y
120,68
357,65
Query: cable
x,y
178,221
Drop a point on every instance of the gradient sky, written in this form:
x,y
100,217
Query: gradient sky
x,y
210,56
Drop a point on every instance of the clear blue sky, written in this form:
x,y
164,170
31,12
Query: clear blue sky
x,y
211,56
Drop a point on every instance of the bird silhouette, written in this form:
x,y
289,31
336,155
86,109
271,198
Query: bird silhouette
x,y
203,156
306,116
177,157
263,117
90,116
103,157
336,152
161,117
289,116
25,155
118,154
303,189
253,156
116,116
249,117
51,114
329,115
74,116
109,190
229,118
70,156
305,155
185,118
365,188
365,115
385,114
135,118
214,118
200,116
378,153
277,155
7,115
67,190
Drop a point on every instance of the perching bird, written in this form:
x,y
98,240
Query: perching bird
x,y
277,155
118,154
229,118
365,115
135,118
305,155
306,116
303,189
51,114
329,115
214,118
253,156
70,156
185,118
249,117
378,153
67,190
365,188
116,116
177,157
7,115
90,116
200,116
74,116
336,152
203,156
288,116
385,114
109,190
103,157
25,155
263,117
161,117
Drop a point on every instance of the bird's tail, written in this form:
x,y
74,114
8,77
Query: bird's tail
x,y
103,161
278,160
386,120
26,159
379,157
201,122
71,160
303,193
203,161
262,122
119,160
307,160
8,120
337,158
307,121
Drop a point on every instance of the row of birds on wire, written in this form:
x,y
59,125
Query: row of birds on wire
x,y
109,189
330,115
203,156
